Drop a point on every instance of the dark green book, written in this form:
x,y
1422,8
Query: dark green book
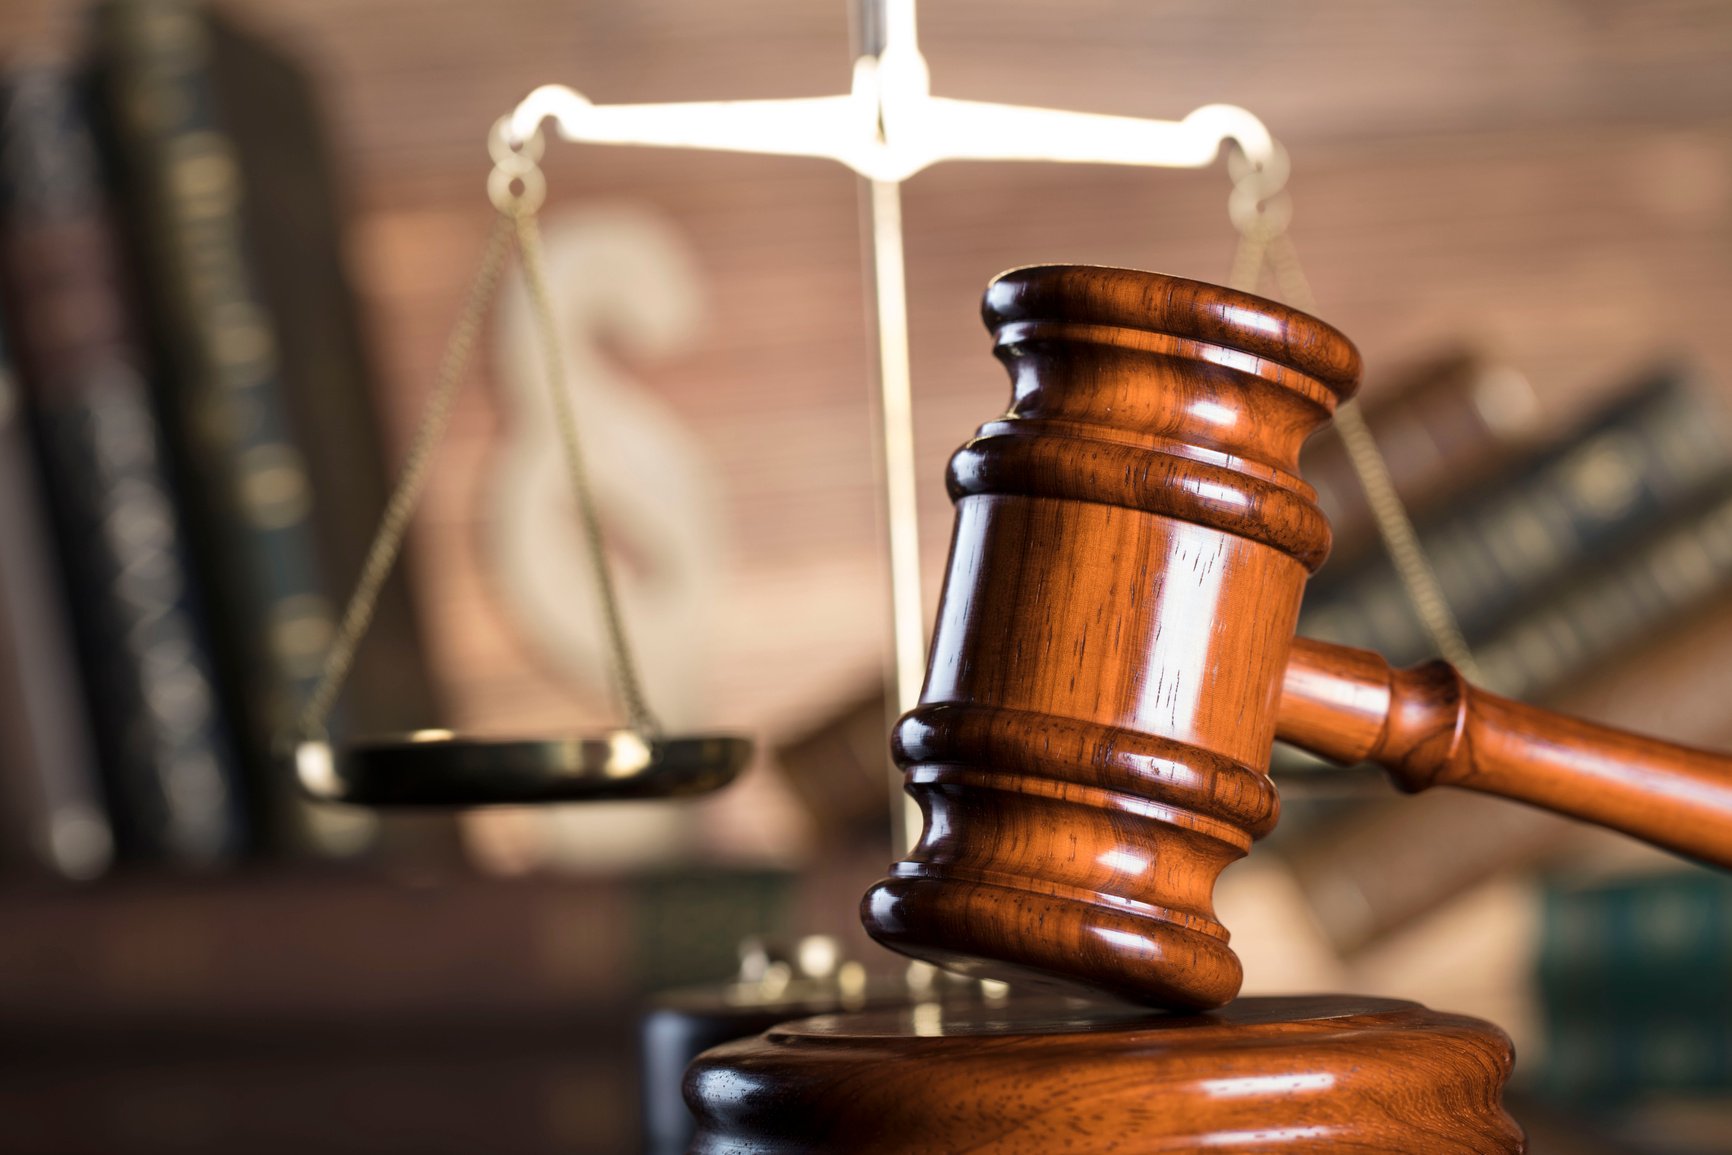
x,y
1635,980
240,474
1639,946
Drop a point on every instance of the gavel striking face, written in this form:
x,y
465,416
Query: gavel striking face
x,y
1115,654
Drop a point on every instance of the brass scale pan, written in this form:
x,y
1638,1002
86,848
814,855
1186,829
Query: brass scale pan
x,y
443,768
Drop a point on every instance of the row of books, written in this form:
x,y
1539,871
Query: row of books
x,y
1554,557
190,464
1559,556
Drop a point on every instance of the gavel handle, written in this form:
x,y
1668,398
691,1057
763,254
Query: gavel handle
x,y
1428,727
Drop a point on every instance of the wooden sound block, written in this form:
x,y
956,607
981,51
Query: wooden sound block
x,y
1310,1074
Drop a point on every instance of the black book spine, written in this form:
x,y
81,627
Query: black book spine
x,y
1656,451
1672,571
242,476
51,809
165,753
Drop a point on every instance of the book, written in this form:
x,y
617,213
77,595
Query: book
x,y
294,224
238,470
1674,570
1675,684
173,789
294,219
1635,982
1639,946
51,811
1656,449
1440,422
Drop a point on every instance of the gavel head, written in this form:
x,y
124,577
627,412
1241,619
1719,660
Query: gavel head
x,y
1132,539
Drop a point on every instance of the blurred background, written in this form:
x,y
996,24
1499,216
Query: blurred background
x,y
233,239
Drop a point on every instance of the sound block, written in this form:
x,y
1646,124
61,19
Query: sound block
x,y
1304,1074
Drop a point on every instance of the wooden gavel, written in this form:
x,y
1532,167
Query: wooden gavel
x,y
1115,653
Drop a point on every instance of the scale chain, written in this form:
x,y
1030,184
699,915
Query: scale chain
x,y
1261,209
626,682
516,187
387,541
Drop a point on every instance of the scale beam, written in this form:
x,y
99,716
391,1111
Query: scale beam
x,y
891,139
887,128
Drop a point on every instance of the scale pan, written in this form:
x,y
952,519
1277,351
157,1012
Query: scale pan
x,y
442,768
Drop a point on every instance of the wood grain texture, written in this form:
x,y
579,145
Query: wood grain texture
x,y
1131,541
1319,1074
1429,727
1111,659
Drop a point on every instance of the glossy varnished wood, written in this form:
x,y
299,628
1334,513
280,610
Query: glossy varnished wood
x,y
1429,727
1112,653
1031,1078
1131,542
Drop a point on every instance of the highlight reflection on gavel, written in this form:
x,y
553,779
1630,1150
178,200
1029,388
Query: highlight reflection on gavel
x,y
1115,652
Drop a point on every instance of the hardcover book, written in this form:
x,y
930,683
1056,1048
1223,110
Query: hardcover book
x,y
152,689
51,810
240,474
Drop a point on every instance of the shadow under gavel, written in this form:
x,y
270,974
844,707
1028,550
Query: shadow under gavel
x,y
1115,653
